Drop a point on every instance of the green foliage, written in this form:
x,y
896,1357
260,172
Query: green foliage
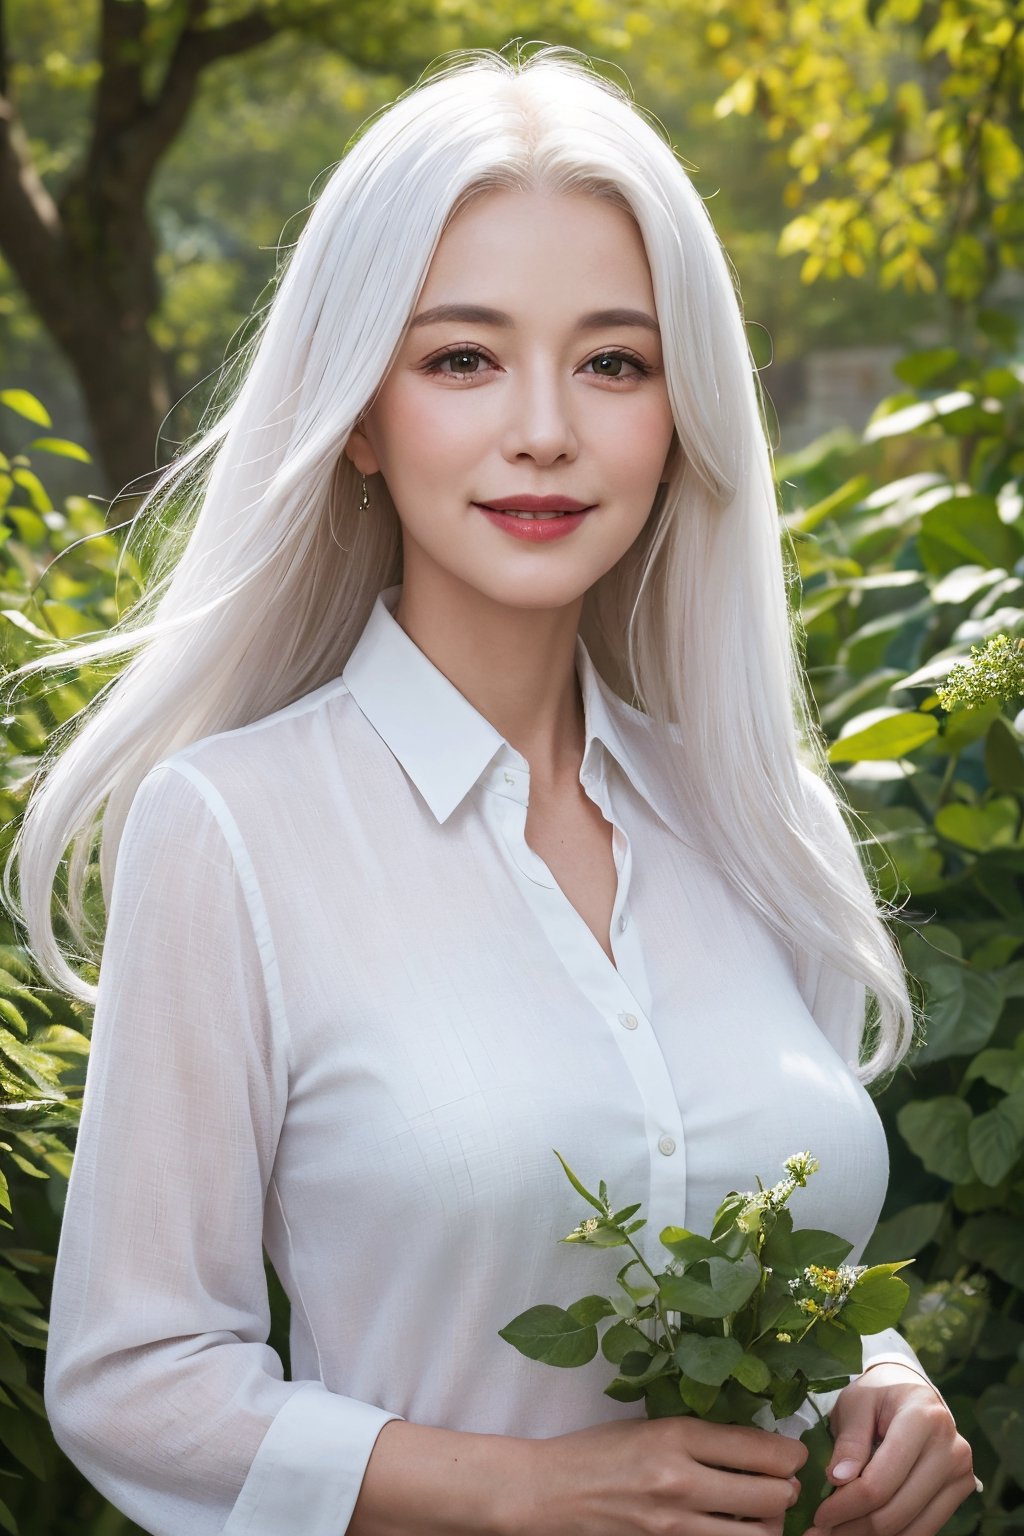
x,y
911,554
763,1316
902,124
50,589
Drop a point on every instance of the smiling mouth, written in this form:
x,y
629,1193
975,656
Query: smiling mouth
x,y
537,517
538,508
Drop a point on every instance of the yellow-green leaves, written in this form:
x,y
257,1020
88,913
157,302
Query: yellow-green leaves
x,y
891,733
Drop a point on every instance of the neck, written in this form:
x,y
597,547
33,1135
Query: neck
x,y
516,666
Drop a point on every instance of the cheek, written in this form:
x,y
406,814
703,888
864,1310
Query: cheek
x,y
640,443
423,432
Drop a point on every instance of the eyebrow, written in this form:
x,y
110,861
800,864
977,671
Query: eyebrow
x,y
480,314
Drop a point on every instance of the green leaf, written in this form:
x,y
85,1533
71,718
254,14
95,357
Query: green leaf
x,y
813,1484
688,1246
961,1011
619,1340
788,1396
803,1356
907,1232
752,1372
840,1343
591,1309
14,1017
920,414
897,734
707,1360
640,1367
618,1217
662,1398
1004,760
19,1435
993,824
578,1187
936,1129
625,1391
1001,1415
13,1293
790,1253
1003,1069
63,448
37,493
996,1242
605,1236
26,405
549,1334
996,1139
729,1284
967,530
922,367
697,1395
876,1300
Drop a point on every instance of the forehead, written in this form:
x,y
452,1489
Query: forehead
x,y
507,244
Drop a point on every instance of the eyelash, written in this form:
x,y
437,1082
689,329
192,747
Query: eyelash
x,y
433,365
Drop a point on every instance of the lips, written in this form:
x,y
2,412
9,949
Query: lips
x,y
523,503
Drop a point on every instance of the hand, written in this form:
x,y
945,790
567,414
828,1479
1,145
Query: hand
x,y
900,1466
658,1477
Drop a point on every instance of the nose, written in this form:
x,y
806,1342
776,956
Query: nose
x,y
539,422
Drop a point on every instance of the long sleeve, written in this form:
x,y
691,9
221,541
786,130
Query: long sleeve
x,y
160,1384
837,1003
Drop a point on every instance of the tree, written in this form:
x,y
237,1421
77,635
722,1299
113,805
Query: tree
x,y
85,251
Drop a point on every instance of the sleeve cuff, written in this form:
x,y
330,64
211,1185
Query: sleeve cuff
x,y
312,1459
890,1348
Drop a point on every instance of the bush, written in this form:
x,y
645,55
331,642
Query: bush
x,y
912,560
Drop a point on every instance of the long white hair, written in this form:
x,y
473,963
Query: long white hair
x,y
268,576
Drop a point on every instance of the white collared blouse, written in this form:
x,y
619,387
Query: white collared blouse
x,y
346,1014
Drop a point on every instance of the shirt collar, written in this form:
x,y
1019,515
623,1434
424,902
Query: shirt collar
x,y
445,744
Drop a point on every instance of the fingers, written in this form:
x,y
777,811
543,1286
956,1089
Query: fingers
x,y
752,1498
921,1453
890,1516
856,1438
926,1519
753,1450
725,1525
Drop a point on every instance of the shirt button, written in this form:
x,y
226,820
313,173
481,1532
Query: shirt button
x,y
509,779
666,1145
628,1020
623,920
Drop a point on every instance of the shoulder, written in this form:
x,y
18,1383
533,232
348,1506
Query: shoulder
x,y
276,752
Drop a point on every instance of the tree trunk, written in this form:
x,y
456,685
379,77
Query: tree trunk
x,y
102,323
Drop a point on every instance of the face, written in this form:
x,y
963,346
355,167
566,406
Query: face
x,y
532,367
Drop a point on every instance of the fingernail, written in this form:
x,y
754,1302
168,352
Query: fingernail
x,y
844,1470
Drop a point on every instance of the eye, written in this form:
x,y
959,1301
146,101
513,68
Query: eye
x,y
618,365
465,363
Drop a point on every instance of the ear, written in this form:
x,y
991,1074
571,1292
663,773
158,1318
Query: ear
x,y
360,451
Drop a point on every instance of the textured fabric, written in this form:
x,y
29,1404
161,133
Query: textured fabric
x,y
345,1012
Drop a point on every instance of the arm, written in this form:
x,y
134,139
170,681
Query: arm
x,y
159,1382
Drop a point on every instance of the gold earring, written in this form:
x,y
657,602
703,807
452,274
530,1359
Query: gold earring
x,y
366,499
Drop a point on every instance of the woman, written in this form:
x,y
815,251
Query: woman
x,y
409,891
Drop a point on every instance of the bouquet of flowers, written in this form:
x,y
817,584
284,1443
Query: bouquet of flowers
x,y
742,1326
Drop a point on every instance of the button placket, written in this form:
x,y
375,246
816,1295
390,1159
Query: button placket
x,y
620,993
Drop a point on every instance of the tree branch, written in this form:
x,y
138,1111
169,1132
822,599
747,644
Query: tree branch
x,y
158,123
3,51
31,232
119,95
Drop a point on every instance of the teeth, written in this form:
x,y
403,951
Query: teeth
x,y
536,516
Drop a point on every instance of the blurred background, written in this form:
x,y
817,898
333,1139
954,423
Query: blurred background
x,y
862,161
